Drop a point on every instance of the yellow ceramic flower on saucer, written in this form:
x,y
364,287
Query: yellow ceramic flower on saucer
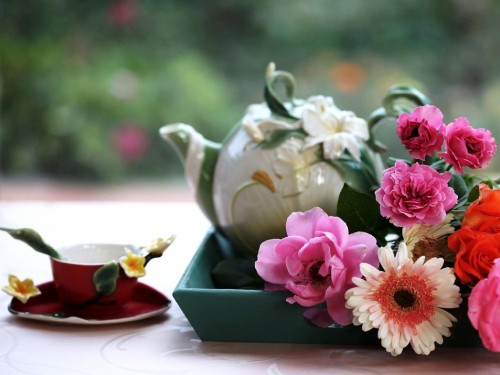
x,y
22,290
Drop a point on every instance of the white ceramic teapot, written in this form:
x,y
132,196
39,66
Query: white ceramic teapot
x,y
284,156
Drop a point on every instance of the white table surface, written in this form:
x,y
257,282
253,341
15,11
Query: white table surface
x,y
166,344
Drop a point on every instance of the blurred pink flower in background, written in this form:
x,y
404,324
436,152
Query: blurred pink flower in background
x,y
468,147
484,309
421,131
130,141
122,12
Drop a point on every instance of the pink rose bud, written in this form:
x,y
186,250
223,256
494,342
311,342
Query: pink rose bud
x,y
468,147
421,131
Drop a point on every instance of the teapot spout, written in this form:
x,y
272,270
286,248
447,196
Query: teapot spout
x,y
199,157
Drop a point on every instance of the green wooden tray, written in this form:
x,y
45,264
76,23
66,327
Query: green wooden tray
x,y
264,316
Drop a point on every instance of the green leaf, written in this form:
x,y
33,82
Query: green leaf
x,y
458,184
439,165
474,191
369,168
392,161
352,171
33,239
361,212
105,278
237,273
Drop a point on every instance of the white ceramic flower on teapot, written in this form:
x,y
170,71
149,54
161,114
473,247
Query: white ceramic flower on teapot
x,y
284,156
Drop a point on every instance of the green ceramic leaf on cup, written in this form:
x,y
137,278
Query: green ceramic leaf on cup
x,y
105,278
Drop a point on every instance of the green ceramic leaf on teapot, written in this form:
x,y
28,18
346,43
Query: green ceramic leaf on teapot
x,y
275,78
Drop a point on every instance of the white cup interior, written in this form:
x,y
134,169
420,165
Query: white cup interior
x,y
93,253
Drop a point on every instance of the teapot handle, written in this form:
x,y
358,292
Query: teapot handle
x,y
399,99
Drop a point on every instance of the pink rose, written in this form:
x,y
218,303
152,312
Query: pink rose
x,y
415,194
484,309
468,147
317,261
421,131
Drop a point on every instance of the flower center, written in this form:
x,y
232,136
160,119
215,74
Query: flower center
x,y
472,147
414,130
314,277
20,287
404,298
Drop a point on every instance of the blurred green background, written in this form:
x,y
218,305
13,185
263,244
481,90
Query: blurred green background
x,y
85,85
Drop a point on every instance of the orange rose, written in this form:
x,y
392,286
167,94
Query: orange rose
x,y
476,252
484,213
477,242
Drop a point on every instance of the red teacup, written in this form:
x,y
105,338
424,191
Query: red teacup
x,y
74,279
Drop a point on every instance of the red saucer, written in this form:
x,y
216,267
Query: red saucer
x,y
146,302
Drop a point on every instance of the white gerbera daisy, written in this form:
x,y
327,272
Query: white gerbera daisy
x,y
406,301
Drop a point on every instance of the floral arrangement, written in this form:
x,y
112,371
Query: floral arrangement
x,y
404,257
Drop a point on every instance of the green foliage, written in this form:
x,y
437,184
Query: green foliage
x,y
457,183
361,212
67,97
74,74
361,174
473,193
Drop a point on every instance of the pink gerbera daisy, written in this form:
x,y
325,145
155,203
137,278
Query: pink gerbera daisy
x,y
406,301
